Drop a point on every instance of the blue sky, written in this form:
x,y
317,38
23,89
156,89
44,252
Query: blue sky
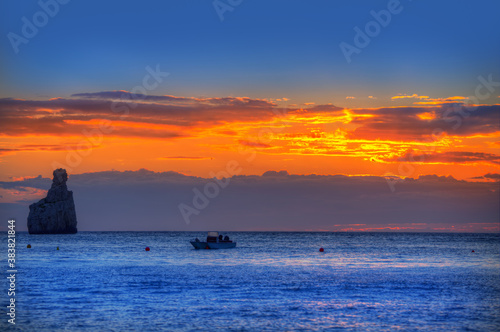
x,y
262,49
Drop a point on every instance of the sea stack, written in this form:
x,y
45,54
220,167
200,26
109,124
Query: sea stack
x,y
54,214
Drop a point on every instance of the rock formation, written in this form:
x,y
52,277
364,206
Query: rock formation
x,y
54,214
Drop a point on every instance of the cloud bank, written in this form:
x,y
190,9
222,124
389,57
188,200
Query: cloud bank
x,y
149,201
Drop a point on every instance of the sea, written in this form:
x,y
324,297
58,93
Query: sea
x,y
272,281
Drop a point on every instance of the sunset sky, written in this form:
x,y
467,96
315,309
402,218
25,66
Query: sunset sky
x,y
190,87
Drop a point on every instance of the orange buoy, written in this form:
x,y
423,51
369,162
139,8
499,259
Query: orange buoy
x,y
321,250
28,246
207,247
147,249
473,251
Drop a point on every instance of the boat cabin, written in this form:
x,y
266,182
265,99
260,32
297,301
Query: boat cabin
x,y
215,237
214,241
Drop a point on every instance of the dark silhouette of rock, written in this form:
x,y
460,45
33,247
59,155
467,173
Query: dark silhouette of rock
x,y
54,214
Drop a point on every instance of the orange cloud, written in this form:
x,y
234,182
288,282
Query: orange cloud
x,y
416,96
158,126
427,116
439,101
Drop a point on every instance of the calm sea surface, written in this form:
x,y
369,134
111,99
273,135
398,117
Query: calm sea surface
x,y
271,281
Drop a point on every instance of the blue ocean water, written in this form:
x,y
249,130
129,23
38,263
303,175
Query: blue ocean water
x,y
106,281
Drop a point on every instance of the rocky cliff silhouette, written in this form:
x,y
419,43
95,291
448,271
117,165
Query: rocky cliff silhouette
x,y
54,214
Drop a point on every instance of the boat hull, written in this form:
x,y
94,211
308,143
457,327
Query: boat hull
x,y
213,245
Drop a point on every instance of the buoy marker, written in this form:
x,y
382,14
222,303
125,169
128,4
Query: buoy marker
x,y
28,246
147,249
321,250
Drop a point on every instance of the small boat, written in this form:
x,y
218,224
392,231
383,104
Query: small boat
x,y
214,241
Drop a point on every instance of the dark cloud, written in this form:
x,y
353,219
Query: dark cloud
x,y
274,173
36,182
494,176
448,157
64,116
489,176
145,200
409,123
325,108
127,96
